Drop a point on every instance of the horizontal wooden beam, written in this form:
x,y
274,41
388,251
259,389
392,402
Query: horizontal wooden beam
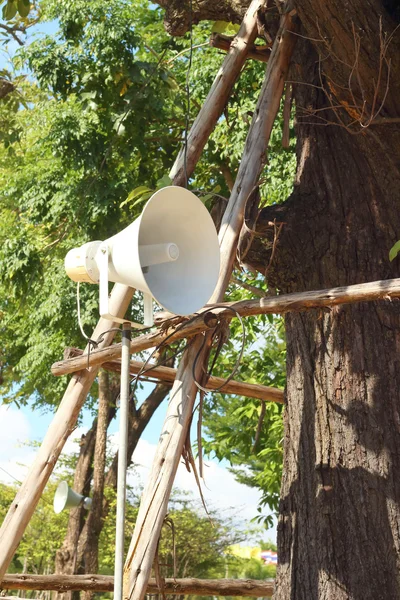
x,y
167,375
223,42
105,583
363,292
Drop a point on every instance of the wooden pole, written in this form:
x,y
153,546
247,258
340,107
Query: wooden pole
x,y
218,95
167,375
154,502
105,583
65,419
239,388
61,427
223,42
363,292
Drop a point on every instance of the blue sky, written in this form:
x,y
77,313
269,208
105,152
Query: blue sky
x,y
38,30
40,421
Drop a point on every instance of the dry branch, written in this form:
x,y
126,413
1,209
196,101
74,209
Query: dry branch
x,y
154,502
223,42
105,583
250,288
362,292
286,116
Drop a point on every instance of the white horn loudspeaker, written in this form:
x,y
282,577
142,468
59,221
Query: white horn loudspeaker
x,y
66,497
170,253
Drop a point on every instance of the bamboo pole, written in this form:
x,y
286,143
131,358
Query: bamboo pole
x,y
363,292
223,42
61,427
66,417
105,583
154,502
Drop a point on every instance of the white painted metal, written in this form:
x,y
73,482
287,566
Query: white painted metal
x,y
170,252
122,461
66,497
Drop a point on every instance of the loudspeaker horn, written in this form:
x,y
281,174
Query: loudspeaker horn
x,y
66,497
171,253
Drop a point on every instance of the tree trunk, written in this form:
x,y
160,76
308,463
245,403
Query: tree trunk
x,y
339,523
138,422
79,552
88,546
66,557
67,562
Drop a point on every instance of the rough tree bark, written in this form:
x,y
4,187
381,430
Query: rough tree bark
x,y
88,545
339,524
338,532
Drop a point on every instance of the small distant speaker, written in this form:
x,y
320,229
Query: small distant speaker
x,y
170,252
66,497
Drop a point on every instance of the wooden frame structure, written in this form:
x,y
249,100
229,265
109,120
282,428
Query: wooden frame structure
x,y
84,369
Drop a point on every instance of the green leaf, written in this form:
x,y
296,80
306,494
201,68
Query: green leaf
x,y
9,10
394,251
139,194
23,8
165,181
219,26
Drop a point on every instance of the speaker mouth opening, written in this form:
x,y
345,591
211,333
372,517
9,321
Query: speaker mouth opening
x,y
176,216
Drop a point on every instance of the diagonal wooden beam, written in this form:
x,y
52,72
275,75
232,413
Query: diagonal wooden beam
x,y
323,299
216,100
62,425
154,503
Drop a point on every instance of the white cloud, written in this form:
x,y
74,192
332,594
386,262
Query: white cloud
x,y
221,491
15,457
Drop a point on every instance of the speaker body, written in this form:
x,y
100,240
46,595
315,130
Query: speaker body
x,y
170,252
66,497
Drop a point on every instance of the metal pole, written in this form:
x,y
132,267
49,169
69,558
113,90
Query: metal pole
x,y
122,461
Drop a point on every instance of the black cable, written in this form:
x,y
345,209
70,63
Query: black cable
x,y
187,87
238,360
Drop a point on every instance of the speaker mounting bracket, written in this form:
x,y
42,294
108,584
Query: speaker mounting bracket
x,y
102,262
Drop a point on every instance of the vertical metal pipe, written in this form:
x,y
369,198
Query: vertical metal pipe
x,y
122,461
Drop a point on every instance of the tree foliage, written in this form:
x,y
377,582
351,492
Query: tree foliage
x,y
201,544
92,126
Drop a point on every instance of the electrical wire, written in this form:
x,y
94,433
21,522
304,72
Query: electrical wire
x,y
78,306
12,476
92,344
238,360
187,87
